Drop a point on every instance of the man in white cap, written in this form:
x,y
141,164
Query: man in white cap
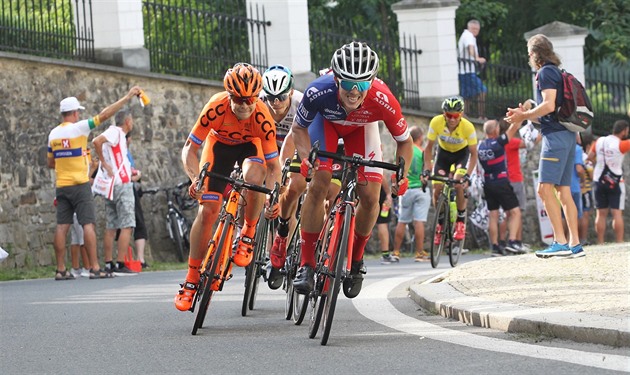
x,y
67,150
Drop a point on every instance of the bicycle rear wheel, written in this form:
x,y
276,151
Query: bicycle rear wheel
x,y
338,263
300,301
253,271
441,211
214,273
177,235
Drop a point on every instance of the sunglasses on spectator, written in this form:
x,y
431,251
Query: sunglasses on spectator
x,y
351,85
452,116
273,98
240,100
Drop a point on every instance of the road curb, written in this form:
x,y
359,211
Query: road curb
x,y
441,298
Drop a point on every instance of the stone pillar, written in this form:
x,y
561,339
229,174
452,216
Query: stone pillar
x,y
433,23
119,33
288,41
568,43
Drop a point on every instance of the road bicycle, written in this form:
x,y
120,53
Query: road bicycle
x,y
263,241
177,225
216,267
446,215
334,246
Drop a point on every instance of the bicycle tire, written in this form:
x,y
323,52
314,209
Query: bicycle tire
x,y
317,304
252,271
263,260
339,264
290,269
300,301
436,250
317,296
453,256
207,291
177,236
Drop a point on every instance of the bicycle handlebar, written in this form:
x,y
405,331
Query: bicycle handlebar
x,y
237,183
356,160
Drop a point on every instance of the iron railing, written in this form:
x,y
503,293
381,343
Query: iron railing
x,y
51,28
608,87
203,39
398,64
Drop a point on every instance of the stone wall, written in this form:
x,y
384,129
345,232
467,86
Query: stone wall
x,y
31,89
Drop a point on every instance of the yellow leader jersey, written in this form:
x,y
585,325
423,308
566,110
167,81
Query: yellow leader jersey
x,y
463,136
67,144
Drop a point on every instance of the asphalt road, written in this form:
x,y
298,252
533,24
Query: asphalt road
x,y
129,325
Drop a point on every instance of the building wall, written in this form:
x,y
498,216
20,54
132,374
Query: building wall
x,y
31,89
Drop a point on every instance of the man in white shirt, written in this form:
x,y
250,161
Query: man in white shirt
x,y
608,185
111,147
470,86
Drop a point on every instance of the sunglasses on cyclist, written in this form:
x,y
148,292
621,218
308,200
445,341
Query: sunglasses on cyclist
x,y
452,116
351,85
273,98
240,100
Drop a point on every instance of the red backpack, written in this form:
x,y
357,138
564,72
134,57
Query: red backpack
x,y
576,111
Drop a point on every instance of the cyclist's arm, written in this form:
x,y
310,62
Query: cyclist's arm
x,y
428,156
274,173
288,147
404,149
301,140
472,163
190,159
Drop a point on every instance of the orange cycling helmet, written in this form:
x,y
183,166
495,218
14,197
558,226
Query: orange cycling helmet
x,y
242,80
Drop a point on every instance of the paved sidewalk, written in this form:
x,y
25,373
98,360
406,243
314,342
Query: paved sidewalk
x,y
584,299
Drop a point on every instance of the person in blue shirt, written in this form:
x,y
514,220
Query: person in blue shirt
x,y
497,189
558,148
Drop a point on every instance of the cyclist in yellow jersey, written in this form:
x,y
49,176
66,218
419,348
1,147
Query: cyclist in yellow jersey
x,y
457,146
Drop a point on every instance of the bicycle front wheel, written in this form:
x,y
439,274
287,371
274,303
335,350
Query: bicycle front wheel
x,y
253,271
299,301
211,275
455,249
438,231
338,263
177,235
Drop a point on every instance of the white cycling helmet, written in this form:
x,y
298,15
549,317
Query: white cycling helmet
x,y
277,80
355,61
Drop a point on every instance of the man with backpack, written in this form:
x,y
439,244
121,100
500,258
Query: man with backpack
x,y
558,148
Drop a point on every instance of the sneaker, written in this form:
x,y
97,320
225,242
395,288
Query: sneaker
x,y
577,251
244,252
353,282
144,265
526,247
438,235
460,231
85,272
389,259
497,251
304,280
514,247
275,278
123,271
555,249
76,272
421,256
278,251
184,297
396,254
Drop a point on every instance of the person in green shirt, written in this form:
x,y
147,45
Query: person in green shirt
x,y
414,204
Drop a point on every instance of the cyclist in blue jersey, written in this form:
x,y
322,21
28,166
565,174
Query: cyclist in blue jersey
x,y
346,104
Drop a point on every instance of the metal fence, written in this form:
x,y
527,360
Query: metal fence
x,y
52,28
203,39
608,87
398,64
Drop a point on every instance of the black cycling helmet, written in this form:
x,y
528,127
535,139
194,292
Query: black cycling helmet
x,y
453,104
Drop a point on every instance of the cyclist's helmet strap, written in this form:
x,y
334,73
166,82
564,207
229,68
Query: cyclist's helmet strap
x,y
355,61
277,80
242,80
453,104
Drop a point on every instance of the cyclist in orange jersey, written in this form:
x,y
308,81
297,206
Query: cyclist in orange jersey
x,y
236,128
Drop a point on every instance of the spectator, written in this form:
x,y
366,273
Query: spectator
x,y
586,185
140,231
414,205
67,144
78,252
515,175
382,224
497,189
470,86
577,176
111,148
558,148
609,188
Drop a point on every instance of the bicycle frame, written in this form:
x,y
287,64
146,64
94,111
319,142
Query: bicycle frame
x,y
447,203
